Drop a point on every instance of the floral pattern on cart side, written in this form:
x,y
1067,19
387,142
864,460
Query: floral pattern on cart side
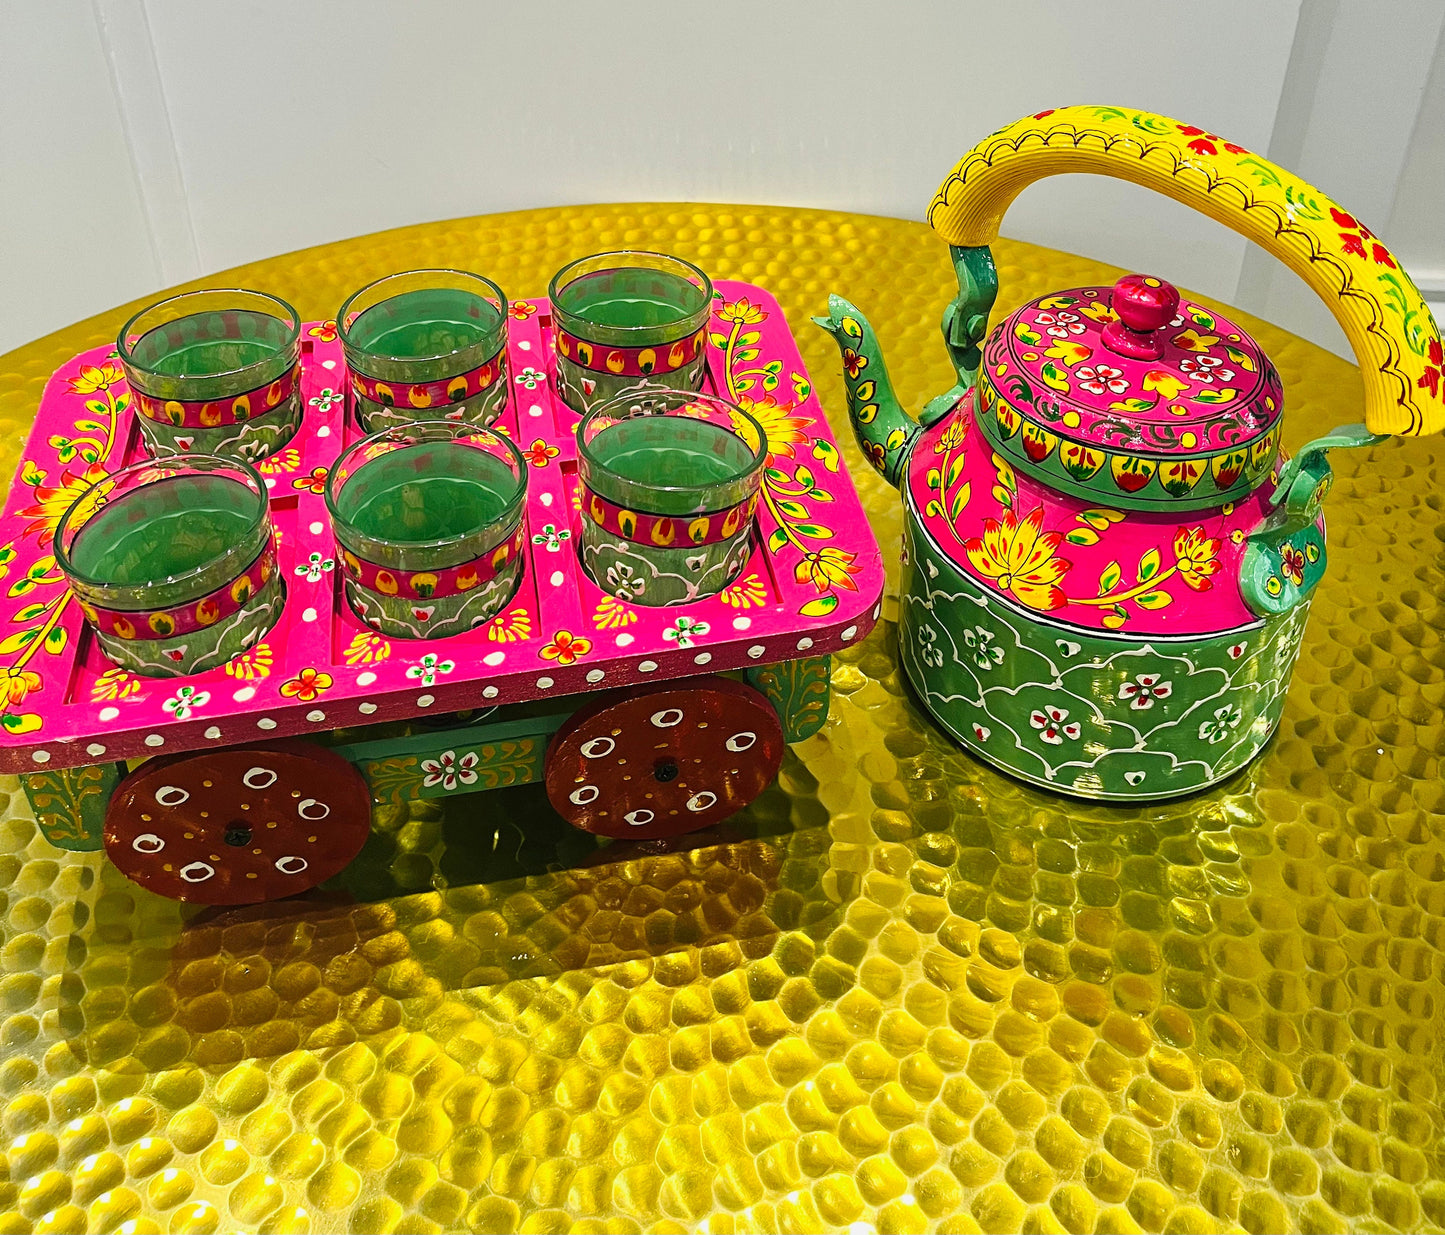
x,y
792,495
99,392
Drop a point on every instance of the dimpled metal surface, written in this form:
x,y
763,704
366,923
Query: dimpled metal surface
x,y
901,991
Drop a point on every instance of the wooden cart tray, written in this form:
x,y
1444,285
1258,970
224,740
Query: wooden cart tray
x,y
812,585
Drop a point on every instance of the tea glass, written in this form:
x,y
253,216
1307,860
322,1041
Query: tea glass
x,y
173,563
628,317
215,373
428,517
669,492
424,345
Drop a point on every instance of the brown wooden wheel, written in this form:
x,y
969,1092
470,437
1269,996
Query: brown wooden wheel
x,y
240,825
664,760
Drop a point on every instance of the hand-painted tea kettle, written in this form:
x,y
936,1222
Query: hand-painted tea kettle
x,y
1107,559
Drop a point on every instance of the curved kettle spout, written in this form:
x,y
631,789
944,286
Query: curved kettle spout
x,y
884,430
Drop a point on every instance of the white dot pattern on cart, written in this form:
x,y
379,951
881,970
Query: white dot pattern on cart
x,y
701,801
584,795
171,795
598,748
311,809
639,818
155,739
197,872
259,778
291,865
742,741
666,718
95,749
147,842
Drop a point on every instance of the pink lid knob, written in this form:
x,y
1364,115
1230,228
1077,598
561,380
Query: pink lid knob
x,y
1144,305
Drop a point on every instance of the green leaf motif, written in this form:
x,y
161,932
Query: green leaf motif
x,y
1201,319
55,641
804,476
21,586
827,452
934,479
1083,536
770,382
1148,565
776,475
955,470
820,605
1099,518
1265,174
1153,600
960,500
802,388
814,531
777,540
934,510
1109,579
719,341
794,510
29,613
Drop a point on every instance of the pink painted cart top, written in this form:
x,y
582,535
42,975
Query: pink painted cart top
x,y
812,586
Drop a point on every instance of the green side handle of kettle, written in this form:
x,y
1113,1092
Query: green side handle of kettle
x,y
1285,557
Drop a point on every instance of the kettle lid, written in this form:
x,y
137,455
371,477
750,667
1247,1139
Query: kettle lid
x,y
1132,396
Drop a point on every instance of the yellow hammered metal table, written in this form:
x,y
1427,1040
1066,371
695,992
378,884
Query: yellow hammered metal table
x,y
907,995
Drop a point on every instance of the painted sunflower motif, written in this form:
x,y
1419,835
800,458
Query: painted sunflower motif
x,y
1019,556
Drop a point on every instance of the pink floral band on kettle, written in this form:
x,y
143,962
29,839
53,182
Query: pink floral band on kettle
x,y
431,394
630,361
194,615
711,528
213,413
432,584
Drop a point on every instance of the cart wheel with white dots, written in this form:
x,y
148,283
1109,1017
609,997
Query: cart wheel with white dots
x,y
664,760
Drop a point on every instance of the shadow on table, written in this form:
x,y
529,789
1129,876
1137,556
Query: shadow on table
x,y
446,896
473,893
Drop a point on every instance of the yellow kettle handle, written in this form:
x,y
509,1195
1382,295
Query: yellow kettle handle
x,y
1394,336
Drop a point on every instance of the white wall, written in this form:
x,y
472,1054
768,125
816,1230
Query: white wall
x,y
144,142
